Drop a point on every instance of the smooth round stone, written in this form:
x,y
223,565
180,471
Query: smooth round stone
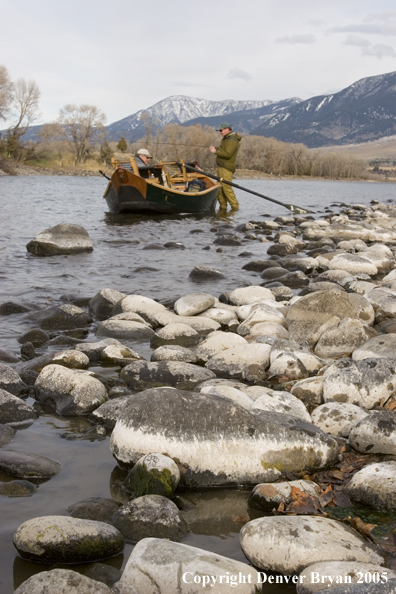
x,y
375,486
342,338
11,381
202,325
200,273
99,509
174,352
153,474
260,314
119,355
353,264
149,516
193,304
64,238
382,346
56,581
59,539
288,544
337,418
154,566
108,413
309,391
17,489
223,316
221,382
246,362
268,496
281,402
126,328
142,375
9,308
7,434
327,576
27,466
14,411
289,366
72,359
217,342
101,306
36,336
62,317
231,393
94,350
375,434
248,295
144,306
180,334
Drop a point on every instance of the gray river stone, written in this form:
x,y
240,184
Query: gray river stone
x,y
17,489
7,434
310,361
311,315
200,324
119,355
353,264
217,342
376,433
287,365
246,362
193,304
60,539
268,496
205,273
73,359
128,326
94,350
177,334
101,306
174,352
157,565
56,581
61,317
337,418
144,306
249,295
36,336
287,544
150,516
366,383
11,381
14,411
229,392
64,238
309,391
329,575
253,448
281,402
343,338
27,466
153,474
99,509
226,317
108,413
142,375
69,392
382,346
374,486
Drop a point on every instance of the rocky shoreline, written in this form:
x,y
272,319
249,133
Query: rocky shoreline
x,y
287,388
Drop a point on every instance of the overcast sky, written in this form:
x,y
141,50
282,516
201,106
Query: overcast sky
x,y
126,55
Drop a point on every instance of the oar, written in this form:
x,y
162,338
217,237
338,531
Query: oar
x,y
292,207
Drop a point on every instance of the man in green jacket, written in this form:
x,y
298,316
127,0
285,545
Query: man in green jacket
x,y
226,155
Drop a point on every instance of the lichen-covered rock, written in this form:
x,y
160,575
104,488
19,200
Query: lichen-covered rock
x,y
382,346
374,486
268,496
174,352
253,447
119,355
287,365
60,539
246,362
61,317
327,576
337,418
375,433
229,392
288,544
149,516
153,474
69,392
99,509
64,238
343,338
73,359
175,333
154,566
14,411
142,375
281,402
10,381
309,391
56,581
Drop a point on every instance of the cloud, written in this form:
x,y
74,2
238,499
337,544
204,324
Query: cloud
x,y
356,40
375,23
292,39
380,16
315,22
379,51
238,73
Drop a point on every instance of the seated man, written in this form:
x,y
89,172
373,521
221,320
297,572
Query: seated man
x,y
142,158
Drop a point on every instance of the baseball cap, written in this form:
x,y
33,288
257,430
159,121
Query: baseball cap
x,y
222,126
144,152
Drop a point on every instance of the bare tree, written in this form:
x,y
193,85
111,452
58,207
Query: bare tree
x,y
83,126
25,105
6,88
53,141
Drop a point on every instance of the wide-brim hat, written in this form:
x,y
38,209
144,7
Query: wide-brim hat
x,y
223,125
145,153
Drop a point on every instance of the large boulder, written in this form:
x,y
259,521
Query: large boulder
x,y
64,238
187,427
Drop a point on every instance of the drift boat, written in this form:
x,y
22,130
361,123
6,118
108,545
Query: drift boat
x,y
163,188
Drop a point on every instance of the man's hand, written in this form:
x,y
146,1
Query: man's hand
x,y
212,149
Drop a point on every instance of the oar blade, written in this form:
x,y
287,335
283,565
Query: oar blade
x,y
297,209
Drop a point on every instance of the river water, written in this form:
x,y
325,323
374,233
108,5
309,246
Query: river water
x,y
119,261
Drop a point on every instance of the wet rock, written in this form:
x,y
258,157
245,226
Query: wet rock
x,y
343,338
17,489
246,362
176,334
288,544
9,308
7,434
202,273
295,280
142,375
282,293
27,351
365,383
128,326
174,353
99,509
108,413
193,304
94,350
36,336
14,411
329,575
101,306
281,402
69,392
375,434
337,418
154,474
7,357
268,496
101,572
309,391
11,381
27,466
59,539
382,346
29,376
61,580
216,343
64,238
273,273
61,317
154,565
260,265
119,355
374,486
228,239
149,516
249,295
72,359
254,447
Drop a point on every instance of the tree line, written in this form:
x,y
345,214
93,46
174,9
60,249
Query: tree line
x,y
80,131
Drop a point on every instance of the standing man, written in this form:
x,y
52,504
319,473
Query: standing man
x,y
226,155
